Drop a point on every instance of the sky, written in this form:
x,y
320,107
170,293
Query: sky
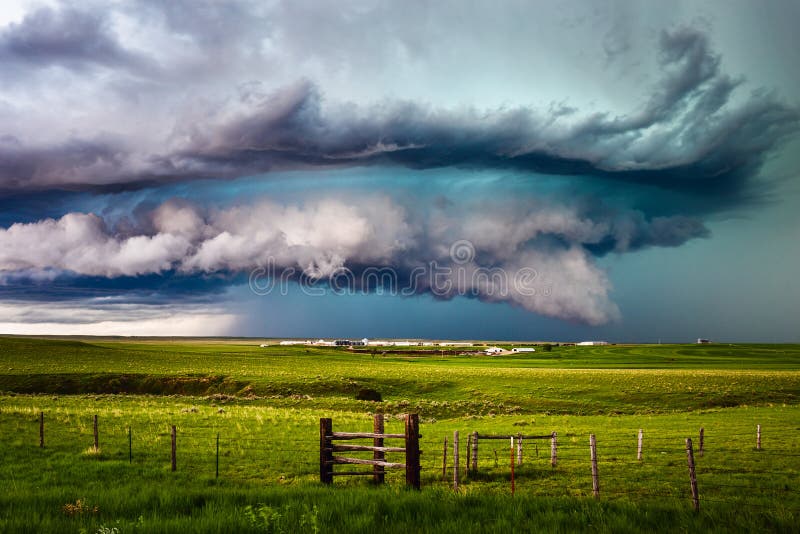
x,y
621,171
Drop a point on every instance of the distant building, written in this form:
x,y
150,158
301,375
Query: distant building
x,y
701,341
293,342
350,343
523,349
494,350
591,343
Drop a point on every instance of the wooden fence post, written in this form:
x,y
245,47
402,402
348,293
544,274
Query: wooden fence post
x,y
495,458
216,470
325,450
758,437
378,472
456,464
595,476
639,445
130,445
475,451
412,450
512,466
692,474
702,439
519,449
469,454
174,448
41,430
553,455
96,436
444,460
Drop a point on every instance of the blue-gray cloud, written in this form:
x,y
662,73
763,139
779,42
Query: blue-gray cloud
x,y
691,135
67,37
696,135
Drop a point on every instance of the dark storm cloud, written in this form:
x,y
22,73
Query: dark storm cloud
x,y
67,37
74,162
690,135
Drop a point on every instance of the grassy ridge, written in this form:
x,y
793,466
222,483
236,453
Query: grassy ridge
x,y
583,380
265,404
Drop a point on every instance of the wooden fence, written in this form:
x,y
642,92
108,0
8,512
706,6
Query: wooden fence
x,y
327,448
560,454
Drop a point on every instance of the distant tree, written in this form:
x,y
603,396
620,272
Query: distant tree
x,y
547,347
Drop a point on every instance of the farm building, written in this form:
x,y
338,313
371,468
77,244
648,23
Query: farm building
x,y
591,343
701,341
493,350
351,343
523,349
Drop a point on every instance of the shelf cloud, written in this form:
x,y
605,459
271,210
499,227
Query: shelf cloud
x,y
112,119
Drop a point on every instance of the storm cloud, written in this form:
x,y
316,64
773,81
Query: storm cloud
x,y
690,134
319,240
558,154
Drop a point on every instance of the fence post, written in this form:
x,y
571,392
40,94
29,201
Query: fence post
x,y
216,471
455,460
595,476
412,450
130,445
519,449
378,472
495,458
553,455
692,474
325,450
469,454
639,445
41,430
758,437
174,447
444,460
96,437
475,451
702,439
512,466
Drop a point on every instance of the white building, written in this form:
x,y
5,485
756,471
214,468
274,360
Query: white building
x,y
591,343
523,349
493,350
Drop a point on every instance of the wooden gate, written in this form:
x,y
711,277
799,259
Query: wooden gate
x,y
327,448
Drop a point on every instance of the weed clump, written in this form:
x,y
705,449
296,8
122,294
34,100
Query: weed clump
x,y
80,507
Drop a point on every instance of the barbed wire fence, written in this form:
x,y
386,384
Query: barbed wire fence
x,y
743,466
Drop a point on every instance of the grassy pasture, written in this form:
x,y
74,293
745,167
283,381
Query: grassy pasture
x,y
265,404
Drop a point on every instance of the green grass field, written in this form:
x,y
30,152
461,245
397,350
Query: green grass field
x,y
265,405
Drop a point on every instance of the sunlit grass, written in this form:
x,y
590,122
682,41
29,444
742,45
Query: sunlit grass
x,y
266,408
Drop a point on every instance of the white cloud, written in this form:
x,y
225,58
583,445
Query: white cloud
x,y
96,317
320,237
